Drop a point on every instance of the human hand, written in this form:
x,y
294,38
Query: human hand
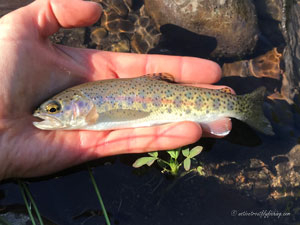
x,y
33,69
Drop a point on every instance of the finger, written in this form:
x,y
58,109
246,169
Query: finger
x,y
47,16
107,65
184,69
75,13
138,140
217,129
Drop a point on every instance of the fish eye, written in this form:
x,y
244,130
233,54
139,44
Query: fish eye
x,y
53,107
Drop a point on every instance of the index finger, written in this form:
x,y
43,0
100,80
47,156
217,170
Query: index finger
x,y
184,69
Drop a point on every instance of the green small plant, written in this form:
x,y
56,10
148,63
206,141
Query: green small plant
x,y
29,203
98,195
172,166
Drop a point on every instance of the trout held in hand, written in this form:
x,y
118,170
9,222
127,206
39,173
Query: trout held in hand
x,y
146,101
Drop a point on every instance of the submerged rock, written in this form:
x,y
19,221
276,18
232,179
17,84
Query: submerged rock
x,y
270,9
232,23
267,65
291,31
122,29
71,37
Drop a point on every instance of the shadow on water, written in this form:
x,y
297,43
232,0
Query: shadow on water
x,y
269,23
179,41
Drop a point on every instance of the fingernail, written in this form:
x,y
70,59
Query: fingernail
x,y
218,128
220,132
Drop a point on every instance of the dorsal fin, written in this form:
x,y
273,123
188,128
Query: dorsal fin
x,y
162,76
226,90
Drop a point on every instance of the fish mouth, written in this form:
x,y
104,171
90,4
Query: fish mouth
x,y
47,123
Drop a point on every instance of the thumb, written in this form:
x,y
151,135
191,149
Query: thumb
x,y
68,14
45,17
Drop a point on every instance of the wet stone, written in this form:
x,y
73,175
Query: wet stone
x,y
139,44
144,21
266,65
119,7
119,18
232,24
122,46
98,34
113,26
133,17
290,86
74,37
269,9
128,3
256,163
109,16
126,26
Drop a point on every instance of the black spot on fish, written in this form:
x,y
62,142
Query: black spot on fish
x,y
230,105
188,95
216,103
129,100
144,105
177,102
198,102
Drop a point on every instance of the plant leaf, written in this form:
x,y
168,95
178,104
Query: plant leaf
x,y
149,163
195,151
177,152
187,164
200,170
142,161
173,153
153,154
186,152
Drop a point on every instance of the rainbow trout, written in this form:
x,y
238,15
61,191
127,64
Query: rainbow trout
x,y
146,101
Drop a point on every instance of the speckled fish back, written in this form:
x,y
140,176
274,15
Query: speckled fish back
x,y
158,96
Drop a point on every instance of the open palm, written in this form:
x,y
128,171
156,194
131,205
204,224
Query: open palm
x,y
32,70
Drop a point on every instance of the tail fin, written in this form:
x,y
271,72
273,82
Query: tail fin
x,y
253,113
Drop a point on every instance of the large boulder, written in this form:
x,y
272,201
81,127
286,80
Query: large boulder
x,y
232,23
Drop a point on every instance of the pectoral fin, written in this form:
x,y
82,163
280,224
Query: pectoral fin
x,y
92,116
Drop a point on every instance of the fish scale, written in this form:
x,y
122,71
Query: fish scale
x,y
146,101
